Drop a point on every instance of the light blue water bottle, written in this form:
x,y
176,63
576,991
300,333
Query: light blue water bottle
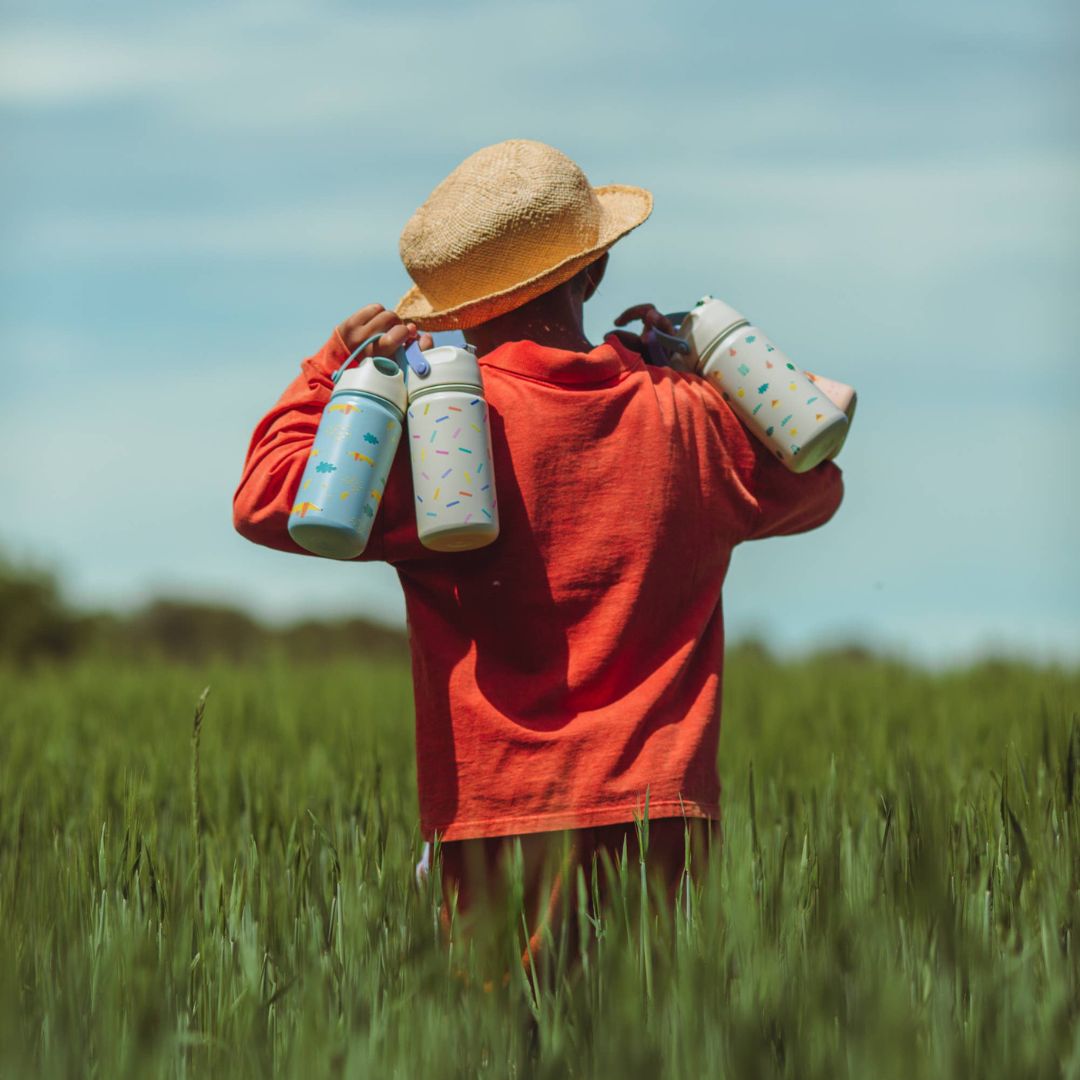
x,y
358,435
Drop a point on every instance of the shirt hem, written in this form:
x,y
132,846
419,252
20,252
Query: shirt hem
x,y
571,819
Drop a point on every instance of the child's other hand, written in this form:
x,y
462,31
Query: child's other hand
x,y
649,315
652,320
375,319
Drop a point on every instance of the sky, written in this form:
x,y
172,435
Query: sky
x,y
195,195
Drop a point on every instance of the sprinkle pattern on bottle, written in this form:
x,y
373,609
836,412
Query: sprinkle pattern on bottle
x,y
456,491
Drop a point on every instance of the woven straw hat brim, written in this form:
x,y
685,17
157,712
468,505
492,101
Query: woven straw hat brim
x,y
622,207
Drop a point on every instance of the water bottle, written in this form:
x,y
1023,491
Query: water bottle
x,y
354,447
450,451
789,410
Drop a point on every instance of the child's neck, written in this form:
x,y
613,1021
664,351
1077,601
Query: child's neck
x,y
557,325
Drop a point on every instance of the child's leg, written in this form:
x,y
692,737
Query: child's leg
x,y
481,877
477,873
675,846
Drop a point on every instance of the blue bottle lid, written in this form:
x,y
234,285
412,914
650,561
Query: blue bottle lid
x,y
448,365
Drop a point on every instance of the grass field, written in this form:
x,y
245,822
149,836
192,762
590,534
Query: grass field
x,y
897,895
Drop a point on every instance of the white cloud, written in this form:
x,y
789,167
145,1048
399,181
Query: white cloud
x,y
49,68
900,220
795,170
909,221
259,66
325,228
387,75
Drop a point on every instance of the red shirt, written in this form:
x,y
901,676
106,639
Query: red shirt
x,y
575,664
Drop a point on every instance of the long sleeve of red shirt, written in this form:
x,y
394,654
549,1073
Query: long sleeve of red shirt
x,y
278,451
575,664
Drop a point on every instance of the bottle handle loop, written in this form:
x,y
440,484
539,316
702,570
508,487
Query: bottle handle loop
x,y
660,346
410,356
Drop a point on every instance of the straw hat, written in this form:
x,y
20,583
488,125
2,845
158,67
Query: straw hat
x,y
509,223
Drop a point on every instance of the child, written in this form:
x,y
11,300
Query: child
x,y
571,670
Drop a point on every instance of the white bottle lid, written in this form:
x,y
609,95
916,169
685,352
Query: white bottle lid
x,y
377,376
449,365
709,323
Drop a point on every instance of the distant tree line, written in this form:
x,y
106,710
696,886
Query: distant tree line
x,y
37,623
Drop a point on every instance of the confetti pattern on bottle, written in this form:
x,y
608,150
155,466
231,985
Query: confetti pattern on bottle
x,y
745,369
457,493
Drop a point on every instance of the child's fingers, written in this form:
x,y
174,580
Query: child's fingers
x,y
392,340
638,311
383,323
378,324
655,320
357,320
364,315
426,341
375,319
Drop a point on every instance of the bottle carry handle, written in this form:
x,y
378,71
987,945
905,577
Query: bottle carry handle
x,y
660,346
410,356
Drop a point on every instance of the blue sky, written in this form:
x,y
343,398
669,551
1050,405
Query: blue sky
x,y
193,198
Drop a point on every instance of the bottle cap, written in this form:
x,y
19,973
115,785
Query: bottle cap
x,y
710,321
376,376
448,365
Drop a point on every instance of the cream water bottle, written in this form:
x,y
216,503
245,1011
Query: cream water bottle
x,y
450,449
354,447
781,404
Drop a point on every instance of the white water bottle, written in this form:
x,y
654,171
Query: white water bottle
x,y
450,449
784,407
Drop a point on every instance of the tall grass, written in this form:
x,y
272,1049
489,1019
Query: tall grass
x,y
897,893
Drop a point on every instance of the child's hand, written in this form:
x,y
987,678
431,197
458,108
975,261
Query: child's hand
x,y
646,343
649,315
375,319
